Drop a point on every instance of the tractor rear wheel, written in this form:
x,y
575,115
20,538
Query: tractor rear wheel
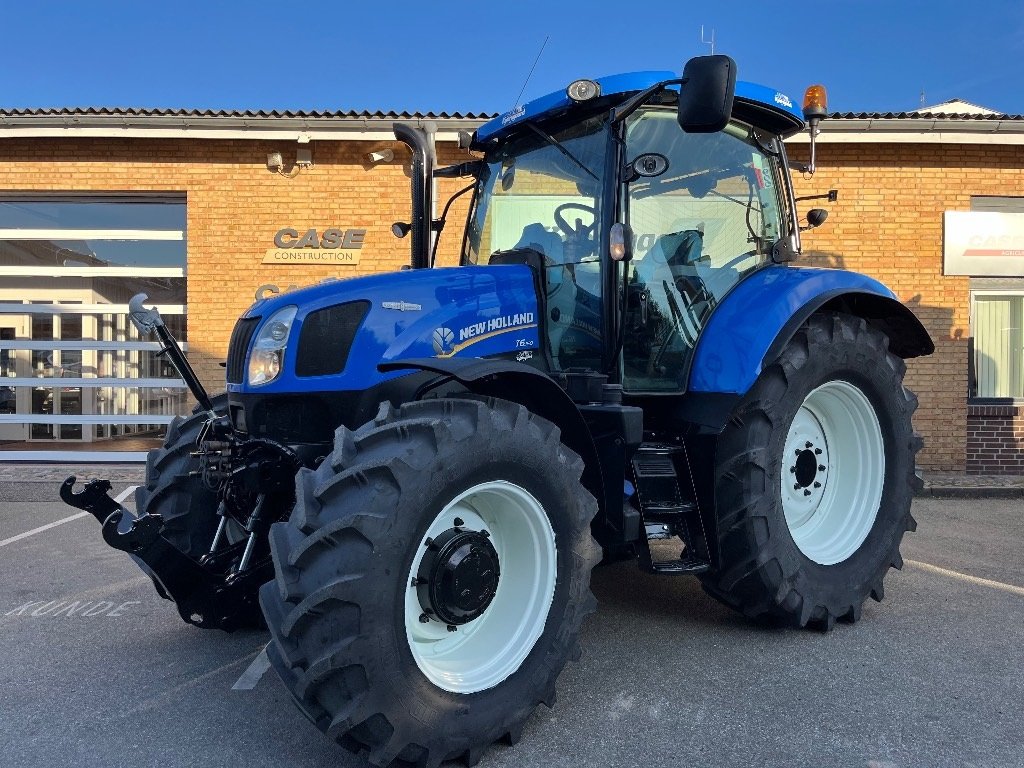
x,y
432,579
814,478
188,507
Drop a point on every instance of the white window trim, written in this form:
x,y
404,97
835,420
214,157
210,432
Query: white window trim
x,y
48,382
92,418
76,457
80,271
92,234
81,309
46,345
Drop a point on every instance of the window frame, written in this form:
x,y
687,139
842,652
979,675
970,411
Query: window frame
x,y
972,360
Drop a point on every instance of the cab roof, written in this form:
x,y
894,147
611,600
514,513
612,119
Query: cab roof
x,y
758,105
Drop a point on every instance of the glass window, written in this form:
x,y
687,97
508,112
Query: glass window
x,y
68,268
709,218
998,346
542,192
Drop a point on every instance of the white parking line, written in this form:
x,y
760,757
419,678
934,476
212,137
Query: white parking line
x,y
253,673
119,498
1011,588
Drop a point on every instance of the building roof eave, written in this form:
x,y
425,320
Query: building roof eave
x,y
938,129
180,124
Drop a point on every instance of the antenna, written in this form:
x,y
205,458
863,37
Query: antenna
x,y
542,45
710,42
921,103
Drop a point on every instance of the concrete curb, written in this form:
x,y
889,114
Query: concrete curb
x,y
972,492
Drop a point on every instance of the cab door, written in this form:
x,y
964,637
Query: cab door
x,y
704,211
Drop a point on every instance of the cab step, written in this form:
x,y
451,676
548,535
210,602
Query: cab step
x,y
669,517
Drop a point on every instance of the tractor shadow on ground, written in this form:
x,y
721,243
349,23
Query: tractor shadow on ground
x,y
623,589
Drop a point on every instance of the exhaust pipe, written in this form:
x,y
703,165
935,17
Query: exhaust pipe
x,y
421,142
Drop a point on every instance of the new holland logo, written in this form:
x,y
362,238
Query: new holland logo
x,y
783,99
515,114
443,341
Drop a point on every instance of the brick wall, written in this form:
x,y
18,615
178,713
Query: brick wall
x,y
888,224
235,206
995,439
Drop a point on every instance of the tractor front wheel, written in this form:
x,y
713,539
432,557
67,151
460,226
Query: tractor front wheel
x,y
814,478
432,579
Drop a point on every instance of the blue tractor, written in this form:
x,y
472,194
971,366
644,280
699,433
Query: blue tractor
x,y
411,475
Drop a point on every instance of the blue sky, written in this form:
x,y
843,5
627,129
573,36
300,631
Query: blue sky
x,y
457,56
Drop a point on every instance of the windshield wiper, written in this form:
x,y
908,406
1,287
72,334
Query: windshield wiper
x,y
557,145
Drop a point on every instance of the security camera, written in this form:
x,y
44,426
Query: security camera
x,y
383,156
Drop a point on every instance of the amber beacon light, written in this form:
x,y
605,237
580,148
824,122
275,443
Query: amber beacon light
x,y
815,103
815,108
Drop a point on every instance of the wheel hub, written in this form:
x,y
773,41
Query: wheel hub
x,y
458,576
832,472
805,469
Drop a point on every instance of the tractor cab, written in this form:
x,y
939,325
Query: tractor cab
x,y
693,212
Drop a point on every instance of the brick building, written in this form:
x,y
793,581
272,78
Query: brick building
x,y
97,205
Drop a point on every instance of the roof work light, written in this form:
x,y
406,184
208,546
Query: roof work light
x,y
583,90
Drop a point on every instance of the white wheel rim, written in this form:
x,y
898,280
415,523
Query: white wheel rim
x,y
485,651
833,470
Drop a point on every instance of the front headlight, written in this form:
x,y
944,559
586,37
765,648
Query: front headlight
x,y
267,356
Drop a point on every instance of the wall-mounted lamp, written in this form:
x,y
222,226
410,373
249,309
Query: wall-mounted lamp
x,y
303,159
381,156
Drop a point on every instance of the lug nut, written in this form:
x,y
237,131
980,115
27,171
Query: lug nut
x,y
817,451
792,470
806,492
429,543
459,522
821,467
796,486
485,533
424,618
452,628
817,484
416,581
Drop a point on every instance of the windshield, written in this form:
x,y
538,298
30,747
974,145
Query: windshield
x,y
542,192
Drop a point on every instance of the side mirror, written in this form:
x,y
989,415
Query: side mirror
x,y
706,95
815,218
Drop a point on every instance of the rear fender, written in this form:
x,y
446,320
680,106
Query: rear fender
x,y
759,317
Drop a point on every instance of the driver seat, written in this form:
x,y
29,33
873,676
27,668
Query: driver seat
x,y
558,282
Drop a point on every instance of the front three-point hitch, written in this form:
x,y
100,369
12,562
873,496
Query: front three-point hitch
x,y
251,486
203,594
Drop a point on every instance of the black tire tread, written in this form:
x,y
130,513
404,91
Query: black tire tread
x,y
752,579
342,509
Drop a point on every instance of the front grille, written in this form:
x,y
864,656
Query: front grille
x,y
326,338
238,346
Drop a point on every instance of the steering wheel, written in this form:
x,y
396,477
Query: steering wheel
x,y
570,231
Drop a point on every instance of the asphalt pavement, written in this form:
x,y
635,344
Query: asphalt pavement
x,y
99,671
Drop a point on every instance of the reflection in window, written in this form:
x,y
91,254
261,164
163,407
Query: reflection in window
x,y
711,217
78,256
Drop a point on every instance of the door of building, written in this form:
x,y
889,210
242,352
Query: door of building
x,y
13,363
